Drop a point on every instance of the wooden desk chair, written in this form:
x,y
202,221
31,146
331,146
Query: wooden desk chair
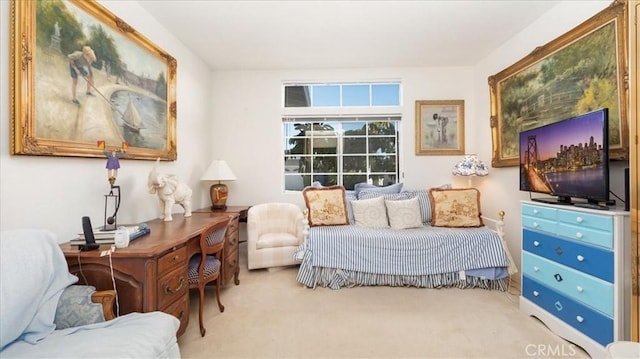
x,y
206,266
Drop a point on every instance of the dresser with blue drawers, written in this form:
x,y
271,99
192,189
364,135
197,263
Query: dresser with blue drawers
x,y
576,272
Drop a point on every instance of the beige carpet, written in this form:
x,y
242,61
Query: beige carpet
x,y
270,315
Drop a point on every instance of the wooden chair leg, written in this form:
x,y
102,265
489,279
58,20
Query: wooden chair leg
x,y
201,310
220,306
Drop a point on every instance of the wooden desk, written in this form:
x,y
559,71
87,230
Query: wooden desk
x,y
151,273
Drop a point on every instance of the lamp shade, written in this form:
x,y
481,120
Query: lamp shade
x,y
218,170
470,166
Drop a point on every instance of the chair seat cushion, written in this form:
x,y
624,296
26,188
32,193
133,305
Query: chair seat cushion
x,y
211,267
273,240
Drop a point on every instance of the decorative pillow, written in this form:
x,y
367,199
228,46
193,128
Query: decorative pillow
x,y
458,207
404,214
326,205
350,197
425,202
393,188
75,308
366,194
370,213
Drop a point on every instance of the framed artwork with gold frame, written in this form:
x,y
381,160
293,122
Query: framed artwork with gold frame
x,y
80,76
582,70
440,127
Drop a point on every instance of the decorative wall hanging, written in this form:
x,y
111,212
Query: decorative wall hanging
x,y
79,74
440,127
583,70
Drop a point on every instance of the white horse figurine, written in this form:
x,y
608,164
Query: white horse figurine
x,y
170,191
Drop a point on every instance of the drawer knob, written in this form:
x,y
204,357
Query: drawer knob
x,y
579,289
580,258
175,258
535,211
558,306
579,219
535,268
536,243
580,319
535,224
536,293
578,235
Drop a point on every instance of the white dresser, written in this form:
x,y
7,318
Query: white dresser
x,y
575,273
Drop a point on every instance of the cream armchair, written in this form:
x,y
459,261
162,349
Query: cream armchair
x,y
274,232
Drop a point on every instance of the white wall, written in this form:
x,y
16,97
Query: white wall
x,y
54,192
247,109
235,115
501,190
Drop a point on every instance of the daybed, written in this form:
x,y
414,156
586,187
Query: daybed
x,y
43,315
423,254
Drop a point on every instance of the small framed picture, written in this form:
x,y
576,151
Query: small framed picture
x,y
440,127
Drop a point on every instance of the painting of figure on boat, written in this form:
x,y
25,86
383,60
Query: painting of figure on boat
x,y
94,79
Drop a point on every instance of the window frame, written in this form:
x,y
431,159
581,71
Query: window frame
x,y
335,114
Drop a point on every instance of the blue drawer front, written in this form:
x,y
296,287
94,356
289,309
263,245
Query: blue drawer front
x,y
582,219
583,257
586,235
592,323
539,224
581,287
539,212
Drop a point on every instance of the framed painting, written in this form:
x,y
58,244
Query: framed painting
x,y
440,127
583,70
83,82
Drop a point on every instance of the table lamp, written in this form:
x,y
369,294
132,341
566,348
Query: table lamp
x,y
470,166
218,170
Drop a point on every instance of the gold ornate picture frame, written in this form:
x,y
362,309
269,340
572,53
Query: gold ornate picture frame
x,y
583,70
440,127
82,81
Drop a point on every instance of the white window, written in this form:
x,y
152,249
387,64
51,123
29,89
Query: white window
x,y
326,142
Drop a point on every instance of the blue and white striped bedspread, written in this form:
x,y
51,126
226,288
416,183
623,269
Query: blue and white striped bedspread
x,y
417,251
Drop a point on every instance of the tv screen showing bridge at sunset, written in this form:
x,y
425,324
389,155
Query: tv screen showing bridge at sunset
x,y
568,158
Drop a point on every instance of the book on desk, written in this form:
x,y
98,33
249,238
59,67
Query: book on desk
x,y
108,237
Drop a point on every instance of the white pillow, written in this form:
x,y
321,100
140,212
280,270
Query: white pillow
x,y
404,214
370,213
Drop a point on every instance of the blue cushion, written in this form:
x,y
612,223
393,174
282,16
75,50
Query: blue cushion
x,y
393,188
348,198
424,201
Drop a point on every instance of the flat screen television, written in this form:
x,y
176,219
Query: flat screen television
x,y
567,159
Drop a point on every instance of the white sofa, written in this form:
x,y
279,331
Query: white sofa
x,y
274,232
33,277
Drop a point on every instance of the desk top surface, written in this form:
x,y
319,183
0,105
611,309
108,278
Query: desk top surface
x,y
163,236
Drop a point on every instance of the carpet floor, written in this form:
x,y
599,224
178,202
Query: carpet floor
x,y
270,315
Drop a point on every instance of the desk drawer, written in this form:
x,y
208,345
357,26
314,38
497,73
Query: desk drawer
x,y
586,235
180,310
539,212
538,224
231,265
589,220
171,260
590,322
231,238
173,285
581,287
583,257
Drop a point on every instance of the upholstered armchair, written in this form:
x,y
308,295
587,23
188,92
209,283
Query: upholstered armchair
x,y
46,315
274,232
